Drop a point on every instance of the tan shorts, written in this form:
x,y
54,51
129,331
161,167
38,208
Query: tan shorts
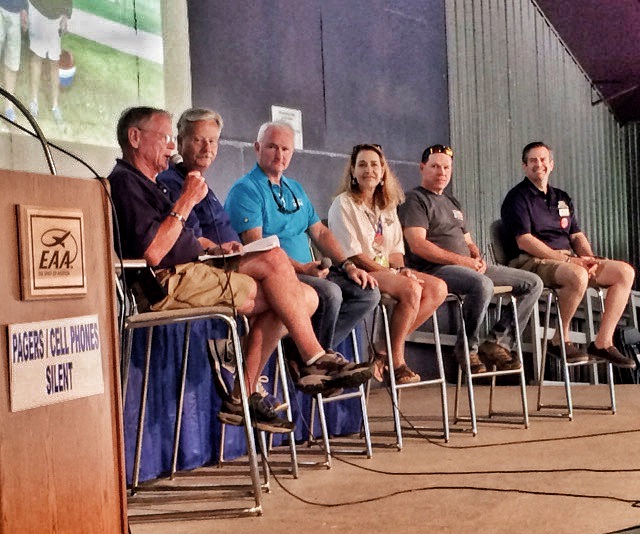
x,y
196,284
546,269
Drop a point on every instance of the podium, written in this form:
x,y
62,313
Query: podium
x,y
61,452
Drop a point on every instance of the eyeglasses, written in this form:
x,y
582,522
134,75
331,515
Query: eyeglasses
x,y
279,199
437,149
168,138
365,146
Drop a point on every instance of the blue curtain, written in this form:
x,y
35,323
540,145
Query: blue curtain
x,y
200,435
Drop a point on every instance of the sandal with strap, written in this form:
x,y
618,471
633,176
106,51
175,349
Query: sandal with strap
x,y
379,366
404,375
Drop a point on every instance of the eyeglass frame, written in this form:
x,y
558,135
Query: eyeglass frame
x,y
280,203
436,149
168,138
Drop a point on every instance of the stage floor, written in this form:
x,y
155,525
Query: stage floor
x,y
556,476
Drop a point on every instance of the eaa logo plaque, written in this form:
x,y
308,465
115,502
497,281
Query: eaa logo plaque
x,y
52,259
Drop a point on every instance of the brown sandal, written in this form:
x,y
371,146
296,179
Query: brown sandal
x,y
379,368
404,375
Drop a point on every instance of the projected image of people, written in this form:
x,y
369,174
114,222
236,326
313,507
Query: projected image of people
x,y
74,64
13,19
47,23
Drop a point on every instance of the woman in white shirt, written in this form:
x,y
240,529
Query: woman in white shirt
x,y
363,218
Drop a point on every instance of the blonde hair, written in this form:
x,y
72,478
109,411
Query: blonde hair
x,y
388,193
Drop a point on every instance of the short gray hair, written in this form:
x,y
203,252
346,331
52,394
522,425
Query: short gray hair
x,y
280,125
197,114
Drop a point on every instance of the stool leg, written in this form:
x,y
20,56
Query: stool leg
x,y
467,364
248,430
565,367
141,414
523,386
264,455
363,399
287,399
543,360
126,363
324,430
395,400
223,431
183,383
443,381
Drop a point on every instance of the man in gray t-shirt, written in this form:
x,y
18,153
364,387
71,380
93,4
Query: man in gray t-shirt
x,y
439,243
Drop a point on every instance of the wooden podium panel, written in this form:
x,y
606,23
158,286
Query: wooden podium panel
x,y
61,465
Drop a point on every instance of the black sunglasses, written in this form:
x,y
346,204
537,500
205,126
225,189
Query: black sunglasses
x,y
364,146
436,149
280,200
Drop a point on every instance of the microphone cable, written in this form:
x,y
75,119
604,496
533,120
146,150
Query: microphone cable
x,y
117,242
633,502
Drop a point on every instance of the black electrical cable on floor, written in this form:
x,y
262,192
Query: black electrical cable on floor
x,y
634,502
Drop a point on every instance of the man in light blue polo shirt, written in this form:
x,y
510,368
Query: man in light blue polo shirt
x,y
264,202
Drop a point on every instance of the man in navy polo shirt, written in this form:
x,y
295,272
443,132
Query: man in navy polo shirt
x,y
319,370
542,221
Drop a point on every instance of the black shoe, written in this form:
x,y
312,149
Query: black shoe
x,y
330,371
511,365
477,366
612,355
263,417
574,355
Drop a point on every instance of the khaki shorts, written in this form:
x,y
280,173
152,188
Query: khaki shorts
x,y
196,284
546,269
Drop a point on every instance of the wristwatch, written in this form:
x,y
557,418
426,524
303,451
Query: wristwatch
x,y
346,264
177,216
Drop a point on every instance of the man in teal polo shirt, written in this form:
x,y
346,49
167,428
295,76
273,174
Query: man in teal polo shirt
x,y
264,202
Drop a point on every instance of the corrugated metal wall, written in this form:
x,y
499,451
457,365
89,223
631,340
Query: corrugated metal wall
x,y
632,146
512,81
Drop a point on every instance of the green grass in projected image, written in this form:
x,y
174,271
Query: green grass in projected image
x,y
147,12
106,82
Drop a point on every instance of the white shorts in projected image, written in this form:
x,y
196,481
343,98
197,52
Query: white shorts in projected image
x,y
44,39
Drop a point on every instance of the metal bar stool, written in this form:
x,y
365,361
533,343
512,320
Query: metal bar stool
x,y
503,292
320,401
552,299
149,319
266,445
386,302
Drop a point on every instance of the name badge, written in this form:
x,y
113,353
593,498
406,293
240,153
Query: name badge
x,y
563,209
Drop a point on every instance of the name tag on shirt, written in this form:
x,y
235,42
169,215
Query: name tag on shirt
x,y
563,209
457,214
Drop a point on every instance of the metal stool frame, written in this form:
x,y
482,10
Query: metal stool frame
x,y
395,389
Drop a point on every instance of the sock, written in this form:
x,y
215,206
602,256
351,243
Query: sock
x,y
314,358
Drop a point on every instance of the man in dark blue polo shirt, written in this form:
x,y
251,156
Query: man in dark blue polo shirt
x,y
155,226
546,234
198,136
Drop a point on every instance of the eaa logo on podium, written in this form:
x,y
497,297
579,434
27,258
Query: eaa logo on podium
x,y
51,252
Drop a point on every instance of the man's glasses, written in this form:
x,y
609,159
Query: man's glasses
x,y
168,138
437,149
279,199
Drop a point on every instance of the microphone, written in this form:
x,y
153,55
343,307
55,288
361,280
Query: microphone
x,y
325,263
176,159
